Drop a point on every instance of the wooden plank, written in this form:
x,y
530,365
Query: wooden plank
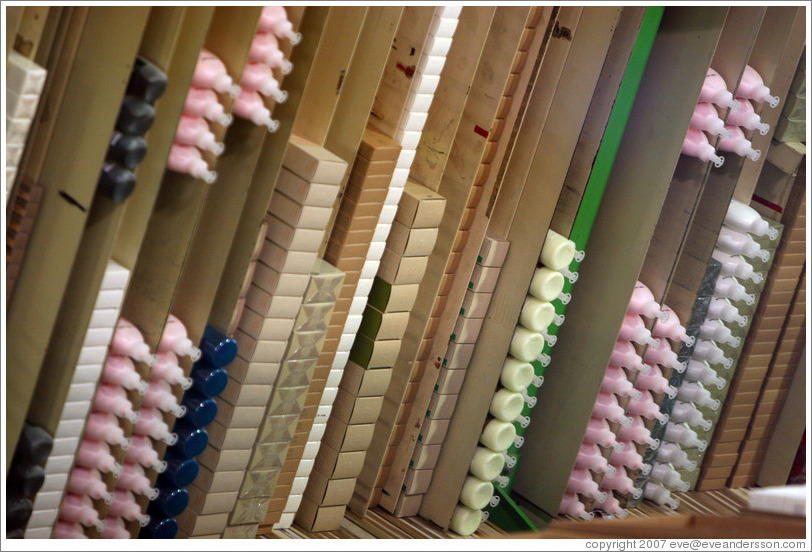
x,y
29,32
14,18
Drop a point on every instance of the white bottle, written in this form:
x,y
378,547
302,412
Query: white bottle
x,y
740,243
745,218
707,350
722,309
727,286
746,117
734,265
683,435
693,392
666,475
702,372
659,494
687,413
715,330
673,454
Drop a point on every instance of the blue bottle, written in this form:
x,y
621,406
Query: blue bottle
x,y
159,529
191,440
208,380
180,470
200,410
171,502
217,348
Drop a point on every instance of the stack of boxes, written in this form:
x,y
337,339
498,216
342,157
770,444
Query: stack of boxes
x,y
249,277
21,221
791,125
24,82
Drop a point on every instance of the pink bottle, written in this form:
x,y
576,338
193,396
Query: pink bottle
x,y
621,483
571,506
691,391
598,433
752,87
638,433
615,381
103,426
735,265
581,482
115,529
79,509
590,458
644,304
113,399
68,530
666,475
143,453
249,105
189,160
134,479
259,76
634,329
210,72
647,408
125,506
746,117
715,330
655,382
737,143
696,145
88,481
265,49
153,425
193,130
174,338
707,350
606,407
120,370
720,308
727,286
662,496
96,454
701,371
706,118
671,328
168,369
128,341
630,458
740,243
673,454
625,356
611,506
714,90
663,355
160,396
274,19
203,102
687,413
683,435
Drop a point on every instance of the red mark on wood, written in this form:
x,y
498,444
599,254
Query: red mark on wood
x,y
481,131
770,204
408,71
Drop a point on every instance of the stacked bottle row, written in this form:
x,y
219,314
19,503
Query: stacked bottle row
x,y
25,479
24,83
127,146
90,368
741,117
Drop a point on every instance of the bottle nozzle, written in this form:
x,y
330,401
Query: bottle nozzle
x,y
637,493
159,466
662,417
714,404
100,525
618,446
178,411
706,425
186,383
600,496
682,487
152,493
280,96
646,469
764,255
569,275
671,391
626,421
287,67
651,342
652,443
224,119
753,154
143,520
672,502
772,100
550,339
644,368
610,470
558,319
117,469
518,441
564,298
295,38
273,125
763,128
234,90
544,359
538,381
142,387
133,416
663,316
717,160
579,255
680,367
494,502
124,442
524,421
636,394
587,516
772,233
689,465
719,383
701,445
689,340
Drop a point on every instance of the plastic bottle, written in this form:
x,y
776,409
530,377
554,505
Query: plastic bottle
x,y
116,182
208,380
125,506
104,427
152,425
475,492
135,480
558,252
498,435
265,49
506,405
24,479
170,503
571,506
217,348
194,131
113,399
191,440
120,370
135,117
746,219
740,243
671,329
615,381
88,481
696,145
621,483
68,530
79,509
487,464
642,302
655,382
606,407
547,284
746,117
660,495
727,286
249,105
647,408
714,90
638,433
175,339
692,392
115,529
200,410
700,371
581,482
687,413
634,329
144,453
611,506
147,81
706,118
259,76
663,355
599,433
720,308
516,375
160,396
752,87
625,356
96,455
734,265
465,521
536,315
274,19
126,150
630,458
673,454
683,435
737,143
128,341
189,160
210,72
34,446
168,370
204,103
180,470
715,330
590,458
159,529
526,345
707,350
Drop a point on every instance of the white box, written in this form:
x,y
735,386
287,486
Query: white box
x,y
340,360
316,432
345,343
115,277
411,138
103,318
382,230
23,75
358,305
407,156
311,450
428,83
370,269
415,121
39,532
298,485
305,467
14,153
400,176
109,299
439,46
292,505
60,464
70,428
447,27
21,106
285,521
376,248
87,373
17,130
65,445
329,396
43,518
76,410
92,355
54,482
451,12
97,337
388,213
362,290
354,321
323,414
393,196
335,377
48,501
81,392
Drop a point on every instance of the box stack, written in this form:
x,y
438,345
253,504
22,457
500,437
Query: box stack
x,y
249,277
24,82
21,221
299,210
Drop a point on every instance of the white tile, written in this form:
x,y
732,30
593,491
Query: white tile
x,y
340,360
422,102
410,140
311,450
414,122
298,485
115,277
346,341
446,27
292,505
405,161
48,501
54,482
285,521
434,65
439,46
60,464
316,432
381,234
103,318
322,415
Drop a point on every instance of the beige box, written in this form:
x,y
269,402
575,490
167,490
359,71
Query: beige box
x,y
417,481
195,525
466,330
449,382
395,269
224,460
408,505
287,262
269,305
248,372
375,168
458,355
228,438
483,278
239,416
365,383
425,456
475,305
329,492
339,465
399,298
356,410
313,517
259,351
493,252
411,242
265,329
374,354
420,207
376,146
433,431
382,326
292,238
344,438
312,162
276,283
299,216
304,192
441,407
204,502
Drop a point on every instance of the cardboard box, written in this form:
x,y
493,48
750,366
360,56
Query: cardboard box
x,y
359,193
446,283
417,481
374,354
356,410
224,460
305,192
392,298
376,146
230,438
239,416
339,465
194,525
441,407
460,239
408,505
344,438
401,270
433,431
299,216
380,326
458,355
315,518
449,382
425,456
259,351
265,329
466,330
483,279
375,168
360,382
411,242
269,305
329,492
420,207
287,262
312,162
204,502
